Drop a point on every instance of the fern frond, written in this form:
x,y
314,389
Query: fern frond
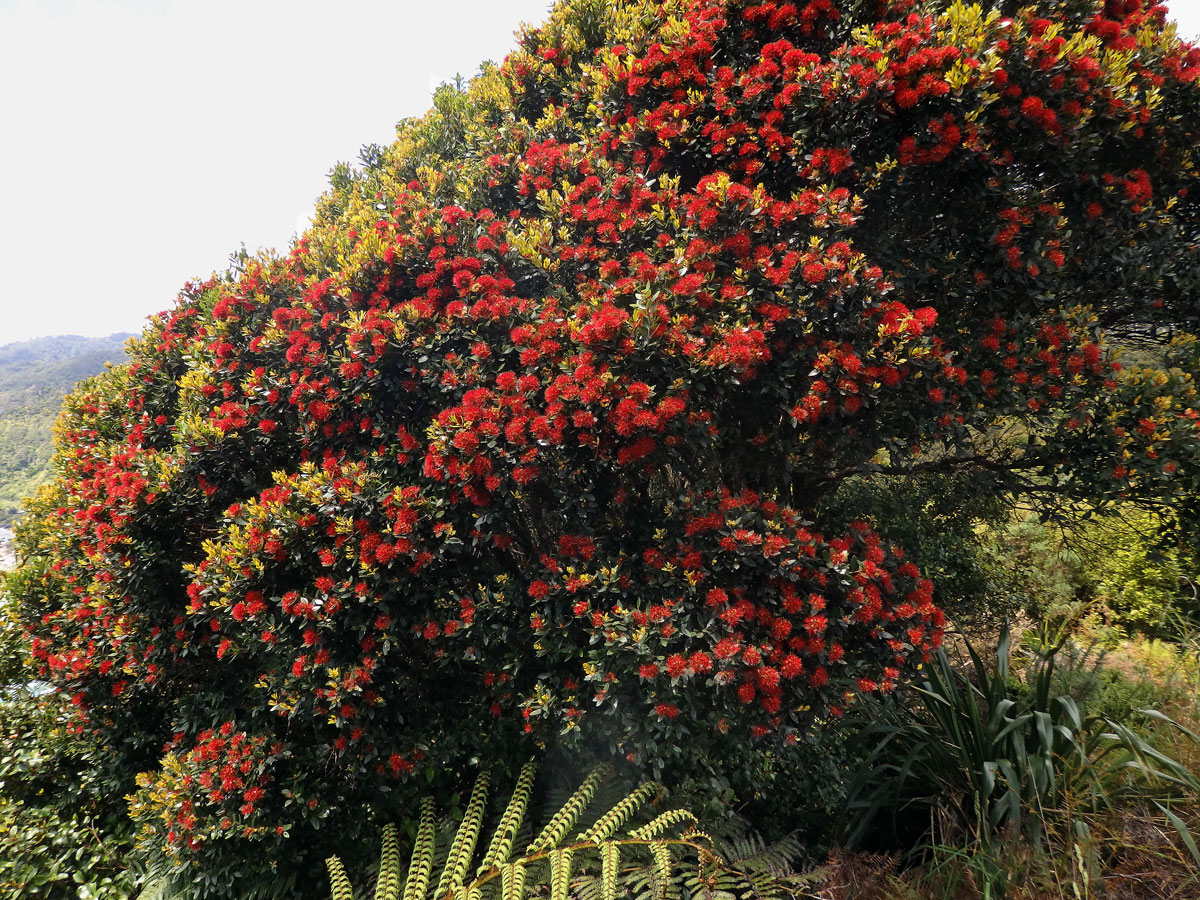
x,y
587,868
564,820
420,868
662,867
560,873
502,841
610,865
512,881
607,825
463,847
339,882
662,823
750,853
387,883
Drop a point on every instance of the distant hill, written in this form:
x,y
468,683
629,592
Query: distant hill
x,y
34,377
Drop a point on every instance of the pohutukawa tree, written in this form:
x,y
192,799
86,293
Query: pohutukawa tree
x,y
524,439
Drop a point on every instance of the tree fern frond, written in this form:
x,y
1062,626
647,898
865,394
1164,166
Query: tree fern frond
x,y
610,864
463,847
662,823
560,873
339,882
742,847
387,883
514,815
587,887
590,866
662,866
512,881
749,852
607,825
421,866
565,819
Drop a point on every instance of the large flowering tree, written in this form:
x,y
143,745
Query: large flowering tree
x,y
525,438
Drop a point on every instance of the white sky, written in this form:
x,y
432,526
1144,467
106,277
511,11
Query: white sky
x,y
143,141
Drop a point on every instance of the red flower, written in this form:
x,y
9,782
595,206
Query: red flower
x,y
814,272
725,648
792,666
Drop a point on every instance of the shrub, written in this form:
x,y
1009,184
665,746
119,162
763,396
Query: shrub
x,y
1036,569
1148,578
64,834
980,760
523,443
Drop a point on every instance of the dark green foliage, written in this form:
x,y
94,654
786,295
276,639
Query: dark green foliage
x,y
1032,565
63,828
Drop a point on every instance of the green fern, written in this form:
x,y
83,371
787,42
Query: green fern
x,y
387,886
512,881
339,882
607,825
663,858
420,869
748,868
610,867
560,873
465,840
506,832
562,821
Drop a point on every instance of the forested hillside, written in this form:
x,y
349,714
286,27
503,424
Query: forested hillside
x,y
34,376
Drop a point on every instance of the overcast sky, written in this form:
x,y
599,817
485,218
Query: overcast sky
x,y
143,141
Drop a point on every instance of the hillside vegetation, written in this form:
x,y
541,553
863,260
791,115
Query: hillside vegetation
x,y
34,377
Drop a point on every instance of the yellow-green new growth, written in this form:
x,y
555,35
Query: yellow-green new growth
x,y
512,881
506,832
556,829
560,873
607,825
387,887
421,867
610,864
552,867
463,847
339,882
